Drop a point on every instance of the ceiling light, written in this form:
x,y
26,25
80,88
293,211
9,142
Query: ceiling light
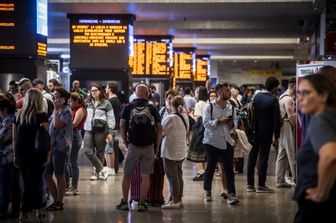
x,y
65,56
254,57
58,41
236,41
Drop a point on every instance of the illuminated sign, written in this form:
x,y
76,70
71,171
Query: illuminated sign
x,y
152,55
100,41
202,68
41,49
19,28
42,17
184,63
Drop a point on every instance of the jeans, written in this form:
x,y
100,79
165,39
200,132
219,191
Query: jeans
x,y
94,148
261,147
174,173
72,168
10,187
215,155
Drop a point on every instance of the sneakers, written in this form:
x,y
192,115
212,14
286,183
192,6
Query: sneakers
x,y
181,204
103,175
94,177
123,205
264,189
207,196
232,199
283,185
142,207
250,188
111,171
199,177
171,205
72,191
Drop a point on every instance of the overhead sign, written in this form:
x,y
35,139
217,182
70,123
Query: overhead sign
x,y
153,55
202,68
266,73
100,41
22,25
184,63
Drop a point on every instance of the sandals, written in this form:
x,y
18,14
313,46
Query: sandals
x,y
56,206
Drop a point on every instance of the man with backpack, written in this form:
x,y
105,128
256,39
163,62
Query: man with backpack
x,y
140,128
266,123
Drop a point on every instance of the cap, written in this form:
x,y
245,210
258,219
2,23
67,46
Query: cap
x,y
22,81
37,81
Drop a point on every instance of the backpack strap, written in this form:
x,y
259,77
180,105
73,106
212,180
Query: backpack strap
x,y
184,122
211,110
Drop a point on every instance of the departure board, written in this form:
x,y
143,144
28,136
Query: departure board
x,y
184,63
100,41
153,55
202,68
18,28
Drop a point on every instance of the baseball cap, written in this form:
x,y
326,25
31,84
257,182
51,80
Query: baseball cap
x,y
37,81
22,81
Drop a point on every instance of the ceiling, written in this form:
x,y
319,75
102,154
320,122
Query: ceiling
x,y
225,20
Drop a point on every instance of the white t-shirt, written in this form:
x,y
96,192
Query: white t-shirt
x,y
199,108
174,143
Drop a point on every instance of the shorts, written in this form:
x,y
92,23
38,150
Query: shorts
x,y
144,154
57,164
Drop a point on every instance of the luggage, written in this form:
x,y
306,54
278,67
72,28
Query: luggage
x,y
154,196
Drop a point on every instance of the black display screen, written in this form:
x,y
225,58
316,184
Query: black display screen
x,y
101,41
18,26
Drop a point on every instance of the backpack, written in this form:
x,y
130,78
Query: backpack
x,y
249,121
141,126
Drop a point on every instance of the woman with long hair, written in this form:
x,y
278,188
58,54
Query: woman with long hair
x,y
77,106
30,161
174,150
98,126
315,190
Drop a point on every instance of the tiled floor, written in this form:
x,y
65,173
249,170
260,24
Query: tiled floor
x,y
97,200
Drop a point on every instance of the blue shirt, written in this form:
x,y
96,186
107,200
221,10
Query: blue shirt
x,y
6,151
61,138
217,134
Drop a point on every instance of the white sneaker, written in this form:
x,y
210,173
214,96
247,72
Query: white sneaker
x,y
103,175
181,204
171,205
111,171
94,177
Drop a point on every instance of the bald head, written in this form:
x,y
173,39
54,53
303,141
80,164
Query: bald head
x,y
141,91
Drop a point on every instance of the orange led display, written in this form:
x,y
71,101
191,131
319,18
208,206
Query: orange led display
x,y
152,55
202,68
99,35
184,63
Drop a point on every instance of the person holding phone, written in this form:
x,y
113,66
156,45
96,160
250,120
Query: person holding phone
x,y
60,131
218,142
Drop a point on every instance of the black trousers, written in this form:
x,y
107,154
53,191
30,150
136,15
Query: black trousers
x,y
215,155
261,147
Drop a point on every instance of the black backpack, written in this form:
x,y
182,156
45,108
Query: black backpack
x,y
141,126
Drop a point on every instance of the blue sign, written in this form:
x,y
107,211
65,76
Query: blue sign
x,y
42,17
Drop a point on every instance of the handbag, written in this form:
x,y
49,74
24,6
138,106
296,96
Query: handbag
x,y
99,125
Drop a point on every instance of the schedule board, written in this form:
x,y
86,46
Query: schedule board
x,y
101,41
153,56
184,63
202,68
23,28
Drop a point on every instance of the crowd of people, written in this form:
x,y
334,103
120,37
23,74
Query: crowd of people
x,y
216,128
